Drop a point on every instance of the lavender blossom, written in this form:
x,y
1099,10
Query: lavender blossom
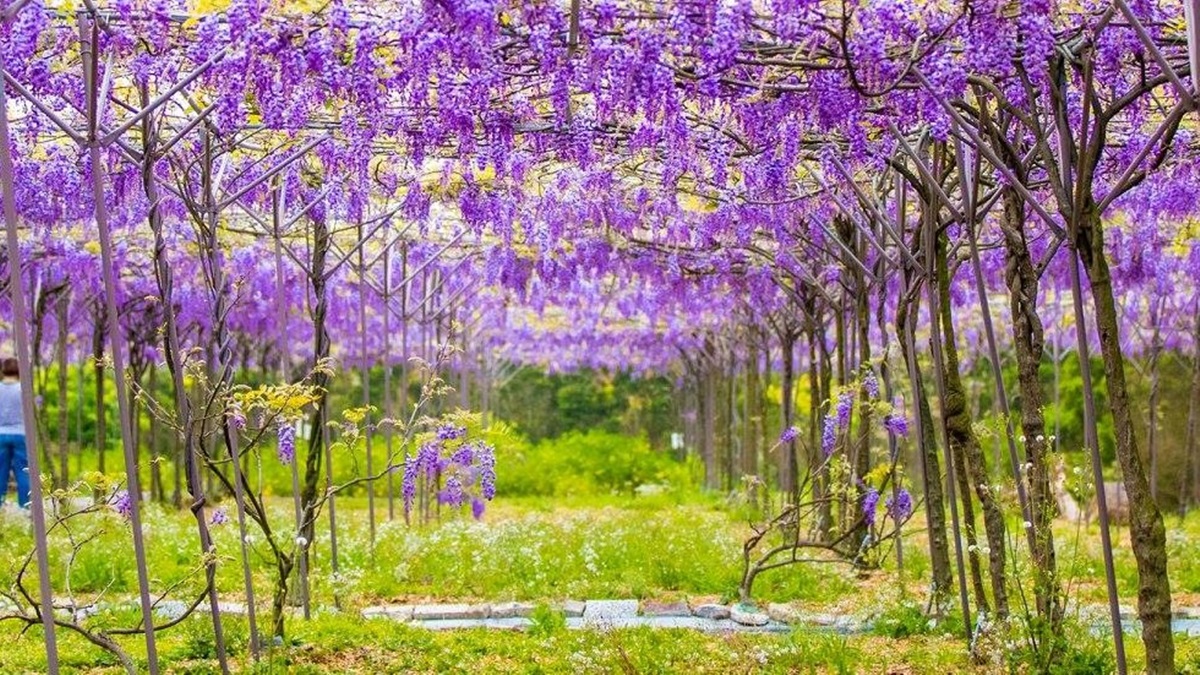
x,y
219,517
477,507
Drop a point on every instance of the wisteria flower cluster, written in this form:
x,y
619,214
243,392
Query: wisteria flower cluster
x,y
462,472
898,507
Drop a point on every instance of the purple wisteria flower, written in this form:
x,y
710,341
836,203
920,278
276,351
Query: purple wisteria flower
x,y
464,456
896,424
469,472
789,434
452,492
237,418
286,433
871,384
430,460
845,405
870,501
900,507
219,517
408,486
487,472
450,432
122,503
829,435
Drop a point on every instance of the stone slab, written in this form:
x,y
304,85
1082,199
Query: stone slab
x,y
509,610
236,608
573,608
514,623
393,612
450,612
783,613
748,615
711,610
170,609
678,622
652,608
606,611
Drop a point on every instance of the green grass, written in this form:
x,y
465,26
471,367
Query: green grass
x,y
542,549
343,644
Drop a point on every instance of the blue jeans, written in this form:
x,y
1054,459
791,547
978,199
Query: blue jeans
x,y
12,458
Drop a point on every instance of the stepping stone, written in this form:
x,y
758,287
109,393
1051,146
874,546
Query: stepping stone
x,y
748,615
171,609
711,611
515,623
509,610
684,622
822,619
573,608
606,611
393,612
679,608
449,612
783,613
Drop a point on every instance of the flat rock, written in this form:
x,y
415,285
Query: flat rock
x,y
608,611
1189,627
171,609
573,609
783,613
821,619
711,610
374,612
514,623
393,612
677,609
686,622
509,610
450,612
748,615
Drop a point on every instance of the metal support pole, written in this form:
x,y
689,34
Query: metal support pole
x,y
89,43
1091,440
20,329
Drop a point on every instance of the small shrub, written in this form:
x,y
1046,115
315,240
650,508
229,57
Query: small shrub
x,y
901,621
588,463
546,621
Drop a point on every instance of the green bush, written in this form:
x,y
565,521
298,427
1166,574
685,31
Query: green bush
x,y
903,620
588,463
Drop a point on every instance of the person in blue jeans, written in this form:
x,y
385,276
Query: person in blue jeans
x,y
12,433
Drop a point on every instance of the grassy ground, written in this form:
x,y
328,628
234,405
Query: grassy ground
x,y
541,550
